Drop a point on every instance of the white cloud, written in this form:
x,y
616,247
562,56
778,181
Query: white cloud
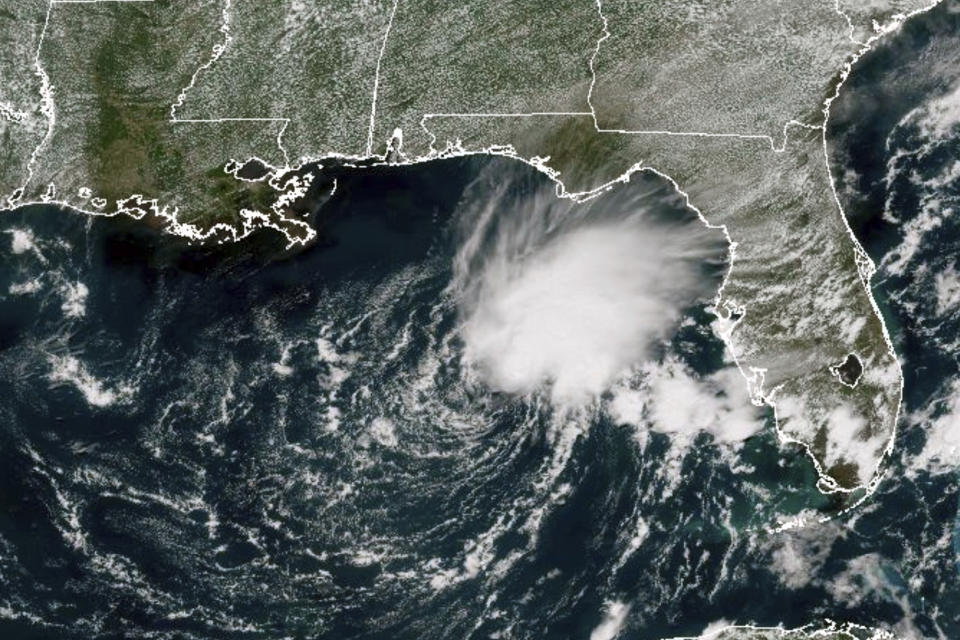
x,y
25,288
575,304
21,240
800,553
74,299
947,285
614,618
715,628
938,118
667,398
70,370
681,404
670,399
940,421
383,430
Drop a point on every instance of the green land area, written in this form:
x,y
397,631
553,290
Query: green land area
x,y
151,107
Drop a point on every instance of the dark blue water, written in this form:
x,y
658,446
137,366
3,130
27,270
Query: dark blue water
x,y
894,145
245,442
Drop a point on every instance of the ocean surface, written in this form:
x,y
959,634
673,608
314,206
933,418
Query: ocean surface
x,y
336,442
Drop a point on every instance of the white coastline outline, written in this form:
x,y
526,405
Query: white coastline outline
x,y
826,484
137,206
866,267
216,53
376,77
254,220
829,628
